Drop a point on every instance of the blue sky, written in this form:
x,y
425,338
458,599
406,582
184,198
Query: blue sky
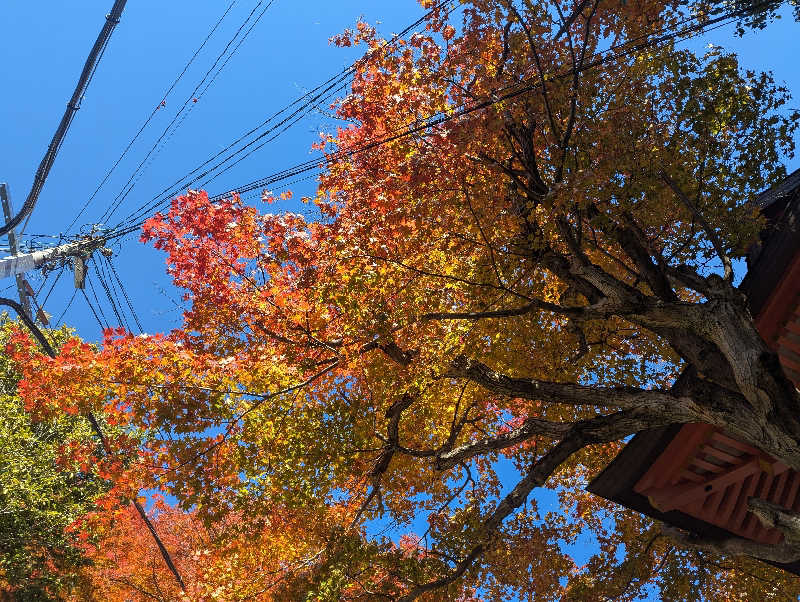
x,y
286,54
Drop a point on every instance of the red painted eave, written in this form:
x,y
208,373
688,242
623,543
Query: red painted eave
x,y
707,474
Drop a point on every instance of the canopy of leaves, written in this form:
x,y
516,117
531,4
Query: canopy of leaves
x,y
42,492
478,306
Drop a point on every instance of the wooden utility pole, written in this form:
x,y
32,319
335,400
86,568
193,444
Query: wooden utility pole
x,y
5,198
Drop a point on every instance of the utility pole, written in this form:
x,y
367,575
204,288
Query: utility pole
x,y
5,198
79,251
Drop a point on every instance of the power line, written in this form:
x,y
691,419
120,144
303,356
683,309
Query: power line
x,y
152,114
120,320
442,117
49,292
74,104
124,293
133,179
111,287
439,118
99,307
69,304
313,164
117,288
320,93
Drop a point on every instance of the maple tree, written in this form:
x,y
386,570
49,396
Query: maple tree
x,y
477,308
40,498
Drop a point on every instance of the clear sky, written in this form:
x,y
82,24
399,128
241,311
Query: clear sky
x,y
286,54
43,51
43,47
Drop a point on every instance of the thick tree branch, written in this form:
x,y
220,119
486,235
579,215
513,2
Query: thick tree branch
x,y
530,428
735,546
628,420
684,275
591,280
394,413
391,349
778,517
638,248
681,409
504,55
392,439
581,434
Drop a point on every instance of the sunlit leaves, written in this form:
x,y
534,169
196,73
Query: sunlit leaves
x,y
308,393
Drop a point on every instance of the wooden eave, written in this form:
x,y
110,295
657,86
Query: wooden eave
x,y
694,476
617,484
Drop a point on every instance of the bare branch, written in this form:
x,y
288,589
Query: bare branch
x,y
567,23
394,413
483,315
291,389
423,272
712,236
579,270
483,234
504,56
530,428
735,546
577,69
542,82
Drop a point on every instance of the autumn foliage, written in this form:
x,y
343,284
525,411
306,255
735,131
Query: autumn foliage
x,y
460,315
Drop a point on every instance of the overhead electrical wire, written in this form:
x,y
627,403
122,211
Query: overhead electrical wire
x,y
109,295
124,293
310,99
117,290
441,117
97,300
91,307
50,291
85,78
189,102
111,291
134,221
408,129
152,114
69,304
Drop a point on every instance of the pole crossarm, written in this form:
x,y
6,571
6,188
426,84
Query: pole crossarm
x,y
19,264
